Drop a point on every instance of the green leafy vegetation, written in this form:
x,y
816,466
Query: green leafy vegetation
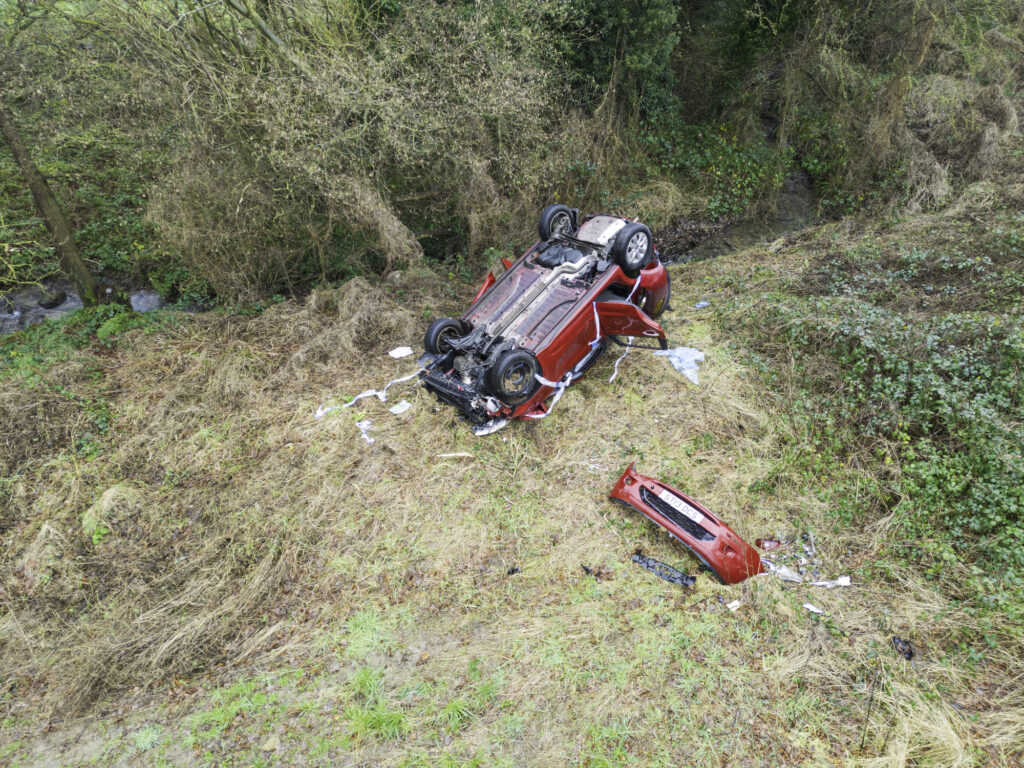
x,y
214,577
910,360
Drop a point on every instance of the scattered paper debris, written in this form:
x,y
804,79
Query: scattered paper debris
x,y
398,352
842,581
382,394
365,427
814,609
734,605
702,304
684,360
459,455
401,408
809,547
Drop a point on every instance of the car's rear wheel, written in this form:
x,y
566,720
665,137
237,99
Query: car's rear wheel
x,y
513,377
556,220
440,335
632,248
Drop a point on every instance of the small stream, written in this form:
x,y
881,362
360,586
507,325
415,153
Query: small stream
x,y
34,304
795,209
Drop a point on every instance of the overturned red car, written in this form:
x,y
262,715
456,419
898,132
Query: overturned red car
x,y
539,326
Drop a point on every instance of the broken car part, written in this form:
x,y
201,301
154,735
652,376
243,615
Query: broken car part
x,y
727,556
664,570
535,330
903,647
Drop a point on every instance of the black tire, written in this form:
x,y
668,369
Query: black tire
x,y
440,333
633,248
513,377
555,220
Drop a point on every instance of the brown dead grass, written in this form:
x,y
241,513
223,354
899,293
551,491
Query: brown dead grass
x,y
244,534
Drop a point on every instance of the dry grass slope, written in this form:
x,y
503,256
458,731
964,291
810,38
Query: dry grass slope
x,y
225,530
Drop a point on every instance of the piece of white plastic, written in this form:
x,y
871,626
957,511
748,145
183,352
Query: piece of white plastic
x,y
842,581
321,411
783,572
734,605
490,427
365,427
382,394
401,408
616,371
702,304
814,609
398,352
684,360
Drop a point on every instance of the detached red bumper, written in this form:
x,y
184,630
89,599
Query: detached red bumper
x,y
728,556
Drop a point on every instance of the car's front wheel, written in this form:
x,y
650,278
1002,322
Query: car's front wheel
x,y
513,377
440,335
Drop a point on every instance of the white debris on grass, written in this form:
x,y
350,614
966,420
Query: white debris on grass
x,y
684,360
814,609
490,427
380,394
842,581
401,408
702,304
734,605
365,427
398,352
616,371
783,572
321,411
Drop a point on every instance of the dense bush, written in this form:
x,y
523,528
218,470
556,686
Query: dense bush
x,y
200,145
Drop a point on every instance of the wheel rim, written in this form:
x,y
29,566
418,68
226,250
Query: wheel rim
x,y
561,224
636,248
517,379
445,339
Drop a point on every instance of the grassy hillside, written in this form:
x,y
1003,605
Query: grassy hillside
x,y
218,577
197,571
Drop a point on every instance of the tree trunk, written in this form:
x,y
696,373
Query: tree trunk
x,y
57,225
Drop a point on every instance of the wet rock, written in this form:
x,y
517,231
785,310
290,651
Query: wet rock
x,y
146,301
52,299
27,306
